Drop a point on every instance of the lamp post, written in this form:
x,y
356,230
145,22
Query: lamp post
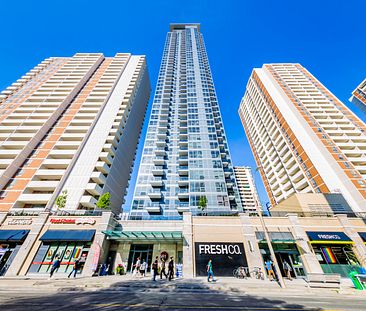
x,y
269,242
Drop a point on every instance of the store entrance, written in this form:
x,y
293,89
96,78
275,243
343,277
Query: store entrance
x,y
293,260
142,251
7,254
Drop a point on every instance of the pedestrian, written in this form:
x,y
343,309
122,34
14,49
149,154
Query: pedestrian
x,y
269,266
56,264
75,268
137,266
171,269
143,268
162,268
210,271
154,268
287,268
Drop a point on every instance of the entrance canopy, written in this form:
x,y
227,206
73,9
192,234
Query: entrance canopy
x,y
328,237
13,235
173,236
276,237
363,236
68,235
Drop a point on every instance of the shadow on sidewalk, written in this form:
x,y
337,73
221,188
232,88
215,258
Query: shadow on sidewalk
x,y
147,295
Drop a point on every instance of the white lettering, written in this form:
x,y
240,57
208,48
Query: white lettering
x,y
224,249
207,249
237,249
201,248
212,249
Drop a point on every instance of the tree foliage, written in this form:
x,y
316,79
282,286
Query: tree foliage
x,y
104,201
61,200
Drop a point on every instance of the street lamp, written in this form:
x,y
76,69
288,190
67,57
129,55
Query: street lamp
x,y
269,242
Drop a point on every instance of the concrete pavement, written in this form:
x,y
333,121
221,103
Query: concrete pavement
x,y
127,293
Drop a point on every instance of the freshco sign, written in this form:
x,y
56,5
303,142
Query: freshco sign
x,y
218,249
76,221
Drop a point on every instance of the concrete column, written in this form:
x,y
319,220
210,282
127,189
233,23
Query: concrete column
x,y
311,263
99,243
3,217
27,246
359,247
188,246
251,247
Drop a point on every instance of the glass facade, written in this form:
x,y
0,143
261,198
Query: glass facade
x,y
185,156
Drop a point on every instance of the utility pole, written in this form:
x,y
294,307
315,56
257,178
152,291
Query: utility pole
x,y
269,242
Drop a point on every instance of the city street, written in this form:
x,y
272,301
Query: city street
x,y
116,293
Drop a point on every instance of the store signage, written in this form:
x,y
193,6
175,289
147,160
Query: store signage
x,y
20,222
225,257
328,236
76,221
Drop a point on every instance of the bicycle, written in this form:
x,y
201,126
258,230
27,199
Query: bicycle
x,y
257,273
240,272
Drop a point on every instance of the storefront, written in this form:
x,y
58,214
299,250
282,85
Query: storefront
x,y
286,250
66,238
363,236
127,246
10,243
334,251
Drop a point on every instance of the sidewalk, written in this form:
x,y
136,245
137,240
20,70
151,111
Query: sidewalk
x,y
297,287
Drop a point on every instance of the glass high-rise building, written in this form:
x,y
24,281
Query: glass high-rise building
x,y
185,156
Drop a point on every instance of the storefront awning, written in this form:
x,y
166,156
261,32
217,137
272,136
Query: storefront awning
x,y
328,237
276,237
68,235
144,235
363,236
13,235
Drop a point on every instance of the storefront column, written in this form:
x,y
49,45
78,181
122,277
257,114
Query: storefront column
x,y
359,247
25,249
188,269
2,217
100,244
307,255
251,247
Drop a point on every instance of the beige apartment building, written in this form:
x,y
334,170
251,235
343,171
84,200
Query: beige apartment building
x,y
359,96
71,123
247,189
304,139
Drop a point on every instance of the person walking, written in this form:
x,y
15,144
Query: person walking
x,y
269,266
143,268
287,268
171,269
162,268
75,268
154,268
137,266
210,271
55,265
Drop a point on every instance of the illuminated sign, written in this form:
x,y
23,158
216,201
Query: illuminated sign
x,y
76,221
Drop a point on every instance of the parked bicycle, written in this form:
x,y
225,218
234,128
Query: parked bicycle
x,y
240,272
257,273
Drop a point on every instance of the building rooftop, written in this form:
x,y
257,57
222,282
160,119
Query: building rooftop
x,y
181,26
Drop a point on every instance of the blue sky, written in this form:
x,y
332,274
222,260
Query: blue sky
x,y
327,37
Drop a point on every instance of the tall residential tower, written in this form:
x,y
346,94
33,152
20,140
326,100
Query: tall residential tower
x,y
186,155
304,139
359,96
71,123
247,190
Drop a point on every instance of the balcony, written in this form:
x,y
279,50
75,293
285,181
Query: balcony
x,y
36,198
156,182
158,170
183,193
183,181
153,208
161,143
45,185
159,160
94,189
183,142
183,170
98,177
154,194
102,167
160,152
88,201
183,208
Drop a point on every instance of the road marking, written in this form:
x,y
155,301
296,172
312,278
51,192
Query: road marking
x,y
201,307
